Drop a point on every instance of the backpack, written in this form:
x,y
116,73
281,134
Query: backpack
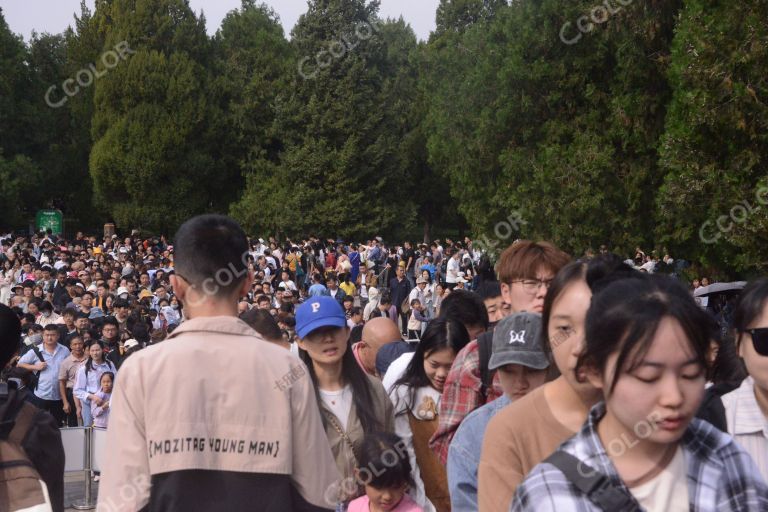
x,y
21,487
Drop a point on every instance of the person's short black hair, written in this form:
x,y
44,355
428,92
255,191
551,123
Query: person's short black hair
x,y
348,298
356,334
489,290
466,307
211,254
121,303
262,322
10,334
70,312
110,320
46,306
29,318
51,327
81,315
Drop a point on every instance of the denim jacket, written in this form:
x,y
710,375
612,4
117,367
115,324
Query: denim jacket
x,y
464,454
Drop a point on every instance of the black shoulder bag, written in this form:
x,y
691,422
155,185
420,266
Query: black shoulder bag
x,y
595,485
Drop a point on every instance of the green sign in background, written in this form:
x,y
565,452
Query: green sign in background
x,y
50,219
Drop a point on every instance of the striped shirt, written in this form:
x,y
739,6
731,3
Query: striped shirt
x,y
720,475
747,423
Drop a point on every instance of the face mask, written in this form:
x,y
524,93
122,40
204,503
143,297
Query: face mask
x,y
46,314
35,339
175,306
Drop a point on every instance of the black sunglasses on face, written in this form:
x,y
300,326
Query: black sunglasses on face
x,y
759,340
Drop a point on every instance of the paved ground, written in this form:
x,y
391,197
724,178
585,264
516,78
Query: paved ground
x,y
74,489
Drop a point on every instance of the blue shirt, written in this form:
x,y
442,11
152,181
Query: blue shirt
x,y
464,454
48,379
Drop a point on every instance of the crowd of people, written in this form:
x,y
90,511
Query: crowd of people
x,y
237,373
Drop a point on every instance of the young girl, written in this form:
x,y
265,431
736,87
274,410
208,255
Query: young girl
x,y
416,320
530,429
100,413
385,472
746,408
647,349
351,403
88,381
416,398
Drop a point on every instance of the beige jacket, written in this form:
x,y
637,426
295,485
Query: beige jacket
x,y
213,396
342,452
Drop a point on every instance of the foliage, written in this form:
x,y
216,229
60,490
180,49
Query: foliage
x,y
716,141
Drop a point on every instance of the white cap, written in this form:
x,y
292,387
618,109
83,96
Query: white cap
x,y
130,343
122,290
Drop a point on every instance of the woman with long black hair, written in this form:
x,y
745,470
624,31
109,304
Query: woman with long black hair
x,y
416,398
351,403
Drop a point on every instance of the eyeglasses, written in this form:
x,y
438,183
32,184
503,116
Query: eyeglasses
x,y
532,285
759,340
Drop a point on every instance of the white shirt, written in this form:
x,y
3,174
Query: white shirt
x,y
396,370
339,403
747,423
452,270
667,491
416,293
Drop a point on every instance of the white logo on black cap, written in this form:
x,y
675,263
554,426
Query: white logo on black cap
x,y
517,337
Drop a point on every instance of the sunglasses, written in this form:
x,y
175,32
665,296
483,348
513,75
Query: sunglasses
x,y
759,340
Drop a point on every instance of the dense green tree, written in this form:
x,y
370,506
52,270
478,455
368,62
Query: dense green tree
x,y
458,15
562,134
152,161
252,61
713,205
341,120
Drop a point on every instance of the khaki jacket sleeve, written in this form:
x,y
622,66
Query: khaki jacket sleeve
x,y
315,474
500,470
126,480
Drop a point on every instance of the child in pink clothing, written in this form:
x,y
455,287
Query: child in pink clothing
x,y
100,413
385,471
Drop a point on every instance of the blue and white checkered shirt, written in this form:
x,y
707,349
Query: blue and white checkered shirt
x,y
721,475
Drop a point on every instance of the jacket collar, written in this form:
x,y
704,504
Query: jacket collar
x,y
748,418
218,324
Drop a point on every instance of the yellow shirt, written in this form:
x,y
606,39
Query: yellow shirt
x,y
348,287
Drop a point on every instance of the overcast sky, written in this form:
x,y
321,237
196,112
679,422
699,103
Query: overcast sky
x,y
54,16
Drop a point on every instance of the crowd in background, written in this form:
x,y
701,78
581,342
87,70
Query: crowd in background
x,y
479,370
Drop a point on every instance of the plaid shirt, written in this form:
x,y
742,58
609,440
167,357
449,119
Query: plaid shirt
x,y
721,476
462,394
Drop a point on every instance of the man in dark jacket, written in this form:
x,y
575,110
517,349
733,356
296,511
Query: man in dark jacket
x,y
400,288
42,443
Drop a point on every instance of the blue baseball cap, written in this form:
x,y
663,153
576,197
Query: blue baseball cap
x,y
322,311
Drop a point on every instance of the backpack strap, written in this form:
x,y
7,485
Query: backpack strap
x,y
38,353
595,485
484,345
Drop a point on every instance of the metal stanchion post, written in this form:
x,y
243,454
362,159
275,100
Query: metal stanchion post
x,y
87,503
